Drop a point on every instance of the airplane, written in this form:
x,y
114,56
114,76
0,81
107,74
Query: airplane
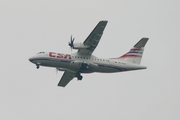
x,y
84,62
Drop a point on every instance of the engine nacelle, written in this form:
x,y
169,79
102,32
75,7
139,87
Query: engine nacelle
x,y
80,46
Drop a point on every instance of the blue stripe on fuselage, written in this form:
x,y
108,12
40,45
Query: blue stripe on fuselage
x,y
68,61
50,59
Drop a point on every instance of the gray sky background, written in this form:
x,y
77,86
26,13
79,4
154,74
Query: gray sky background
x,y
30,26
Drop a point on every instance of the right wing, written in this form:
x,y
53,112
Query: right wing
x,y
66,78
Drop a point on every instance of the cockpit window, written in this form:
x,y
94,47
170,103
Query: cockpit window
x,y
41,53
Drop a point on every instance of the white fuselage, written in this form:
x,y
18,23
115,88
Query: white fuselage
x,y
91,63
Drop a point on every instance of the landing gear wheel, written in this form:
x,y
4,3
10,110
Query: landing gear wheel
x,y
37,66
80,77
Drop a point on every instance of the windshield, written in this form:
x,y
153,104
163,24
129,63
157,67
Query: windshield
x,y
40,52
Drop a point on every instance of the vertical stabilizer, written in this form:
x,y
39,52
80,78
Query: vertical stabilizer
x,y
136,53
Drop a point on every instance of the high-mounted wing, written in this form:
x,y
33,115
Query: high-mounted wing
x,y
66,78
93,39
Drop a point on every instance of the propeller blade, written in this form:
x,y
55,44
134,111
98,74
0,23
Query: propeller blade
x,y
56,71
71,42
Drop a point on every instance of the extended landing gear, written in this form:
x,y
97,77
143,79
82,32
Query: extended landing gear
x,y
79,76
37,66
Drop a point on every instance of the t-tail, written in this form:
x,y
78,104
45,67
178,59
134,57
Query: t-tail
x,y
136,53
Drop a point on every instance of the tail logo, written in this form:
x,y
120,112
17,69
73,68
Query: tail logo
x,y
134,52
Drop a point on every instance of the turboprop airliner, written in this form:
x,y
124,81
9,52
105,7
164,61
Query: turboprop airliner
x,y
83,61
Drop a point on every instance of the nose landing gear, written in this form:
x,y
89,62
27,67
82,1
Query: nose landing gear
x,y
37,65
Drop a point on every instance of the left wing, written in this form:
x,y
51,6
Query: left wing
x,y
66,78
93,39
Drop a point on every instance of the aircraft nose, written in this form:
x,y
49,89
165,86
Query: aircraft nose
x,y
30,59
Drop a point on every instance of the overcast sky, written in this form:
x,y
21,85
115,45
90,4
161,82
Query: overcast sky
x,y
31,26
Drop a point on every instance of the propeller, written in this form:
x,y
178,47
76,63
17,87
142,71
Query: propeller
x,y
71,42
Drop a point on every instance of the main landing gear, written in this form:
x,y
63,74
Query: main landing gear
x,y
79,76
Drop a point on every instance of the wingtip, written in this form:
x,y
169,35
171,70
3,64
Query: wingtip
x,y
103,21
61,86
145,38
